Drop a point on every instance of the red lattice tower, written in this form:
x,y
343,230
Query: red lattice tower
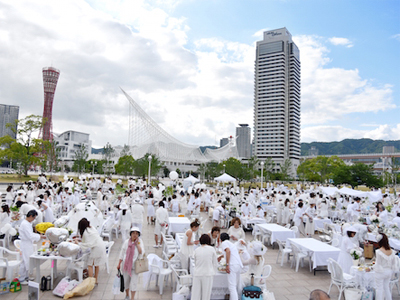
x,y
50,79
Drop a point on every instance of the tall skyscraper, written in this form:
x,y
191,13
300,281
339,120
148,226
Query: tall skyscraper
x,y
277,99
8,114
223,142
50,79
243,140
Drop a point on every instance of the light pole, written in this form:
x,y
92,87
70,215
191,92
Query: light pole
x,y
262,177
148,180
224,168
93,163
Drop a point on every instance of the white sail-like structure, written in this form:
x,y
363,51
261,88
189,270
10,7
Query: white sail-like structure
x,y
146,136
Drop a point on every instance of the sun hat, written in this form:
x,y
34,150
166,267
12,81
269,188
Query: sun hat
x,y
257,248
135,228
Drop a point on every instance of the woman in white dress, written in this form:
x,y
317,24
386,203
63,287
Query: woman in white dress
x,y
323,210
286,212
9,196
236,231
92,240
349,242
188,243
46,210
382,213
125,220
386,263
175,208
5,216
310,213
150,209
132,249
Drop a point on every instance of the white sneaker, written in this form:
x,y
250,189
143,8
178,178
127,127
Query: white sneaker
x,y
155,246
159,246
127,298
25,282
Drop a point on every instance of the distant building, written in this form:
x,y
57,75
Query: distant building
x,y
8,114
243,137
313,151
70,141
277,99
223,142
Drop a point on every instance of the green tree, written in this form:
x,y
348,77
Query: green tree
x,y
25,148
50,161
268,167
357,174
285,169
233,167
80,157
142,165
320,168
165,171
108,154
125,165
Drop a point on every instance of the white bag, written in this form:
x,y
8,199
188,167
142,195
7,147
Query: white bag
x,y
176,296
116,285
64,286
352,294
267,295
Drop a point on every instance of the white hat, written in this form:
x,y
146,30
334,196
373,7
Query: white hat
x,y
257,248
21,192
123,206
135,228
137,200
352,229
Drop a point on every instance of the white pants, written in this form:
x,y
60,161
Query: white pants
x,y
202,286
131,281
234,282
382,280
125,234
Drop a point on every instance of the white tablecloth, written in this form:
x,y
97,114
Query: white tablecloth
x,y
246,221
277,232
364,279
177,224
321,252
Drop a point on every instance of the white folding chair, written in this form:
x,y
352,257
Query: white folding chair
x,y
108,250
9,266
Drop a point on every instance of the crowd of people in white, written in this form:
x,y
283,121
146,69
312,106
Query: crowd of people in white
x,y
232,210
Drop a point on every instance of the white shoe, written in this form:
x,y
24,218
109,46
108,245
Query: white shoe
x,y
159,246
127,298
155,246
25,282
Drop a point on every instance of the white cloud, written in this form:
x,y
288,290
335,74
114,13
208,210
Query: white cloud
x,y
338,133
396,36
338,41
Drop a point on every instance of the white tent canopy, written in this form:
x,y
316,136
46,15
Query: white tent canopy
x,y
372,196
330,191
225,178
191,179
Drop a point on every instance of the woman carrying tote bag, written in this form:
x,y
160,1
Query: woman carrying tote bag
x,y
132,250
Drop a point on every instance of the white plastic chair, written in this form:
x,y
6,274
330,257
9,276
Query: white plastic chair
x,y
296,230
335,243
299,256
338,278
283,251
394,281
161,273
182,278
9,266
108,250
78,265
260,281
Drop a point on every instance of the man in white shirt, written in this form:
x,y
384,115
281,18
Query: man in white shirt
x,y
233,266
137,214
161,223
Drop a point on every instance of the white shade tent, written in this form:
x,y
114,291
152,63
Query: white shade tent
x,y
225,178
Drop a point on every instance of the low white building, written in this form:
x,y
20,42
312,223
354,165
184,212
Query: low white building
x,y
70,141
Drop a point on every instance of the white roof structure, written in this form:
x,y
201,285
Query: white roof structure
x,y
146,136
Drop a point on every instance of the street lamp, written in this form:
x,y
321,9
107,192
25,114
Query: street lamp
x,y
262,177
93,163
148,180
224,168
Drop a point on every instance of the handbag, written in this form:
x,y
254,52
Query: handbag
x,y
141,265
122,282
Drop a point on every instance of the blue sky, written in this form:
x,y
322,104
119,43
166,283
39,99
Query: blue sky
x,y
189,64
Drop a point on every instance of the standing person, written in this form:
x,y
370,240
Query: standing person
x,y
27,237
349,242
125,220
161,223
233,266
5,216
92,240
132,249
286,212
188,242
386,263
150,209
205,265
175,206
310,213
298,218
137,214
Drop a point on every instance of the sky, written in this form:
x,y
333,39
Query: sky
x,y
189,64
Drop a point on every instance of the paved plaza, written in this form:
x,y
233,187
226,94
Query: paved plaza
x,y
284,282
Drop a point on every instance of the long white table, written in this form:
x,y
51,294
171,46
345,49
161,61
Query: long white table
x,y
319,223
320,252
246,221
178,224
277,232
